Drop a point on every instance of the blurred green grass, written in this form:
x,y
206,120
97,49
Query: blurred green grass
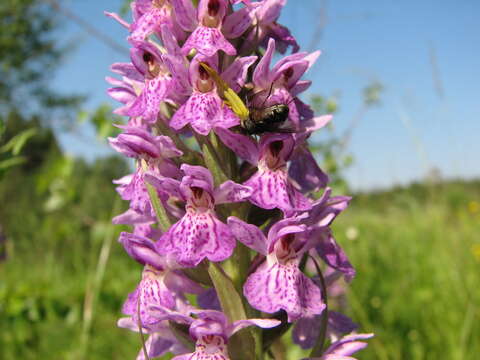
x,y
417,255
416,250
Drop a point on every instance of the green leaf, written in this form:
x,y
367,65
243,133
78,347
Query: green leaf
x,y
181,333
213,164
162,216
227,294
318,347
198,274
18,141
241,345
17,160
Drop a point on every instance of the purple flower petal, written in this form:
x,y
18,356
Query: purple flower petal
x,y
199,111
274,287
334,256
185,14
339,324
148,23
248,234
305,171
142,250
170,42
272,189
306,331
237,23
226,118
209,322
155,91
167,185
132,217
236,73
208,299
208,41
195,237
290,72
314,124
283,228
230,192
136,143
207,348
127,70
300,87
156,346
150,292
179,283
199,173
241,324
164,313
147,230
283,150
327,208
270,10
346,346
118,19
242,145
261,75
283,37
122,94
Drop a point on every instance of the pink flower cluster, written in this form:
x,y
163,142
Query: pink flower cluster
x,y
202,184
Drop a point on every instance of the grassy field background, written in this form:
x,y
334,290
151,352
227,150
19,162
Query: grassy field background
x,y
64,276
417,254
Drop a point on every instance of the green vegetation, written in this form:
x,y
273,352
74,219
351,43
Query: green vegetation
x,y
417,253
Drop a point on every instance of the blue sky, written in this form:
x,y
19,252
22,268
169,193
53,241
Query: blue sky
x,y
414,128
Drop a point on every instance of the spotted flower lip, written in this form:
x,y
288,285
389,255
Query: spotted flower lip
x,y
211,330
158,81
152,290
271,185
207,38
150,16
199,233
160,285
278,284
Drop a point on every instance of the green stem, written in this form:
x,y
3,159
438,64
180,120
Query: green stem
x,y
142,337
211,158
162,216
318,348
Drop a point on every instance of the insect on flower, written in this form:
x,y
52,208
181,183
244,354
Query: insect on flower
x,y
253,121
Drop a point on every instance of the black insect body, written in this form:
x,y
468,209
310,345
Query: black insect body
x,y
268,119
